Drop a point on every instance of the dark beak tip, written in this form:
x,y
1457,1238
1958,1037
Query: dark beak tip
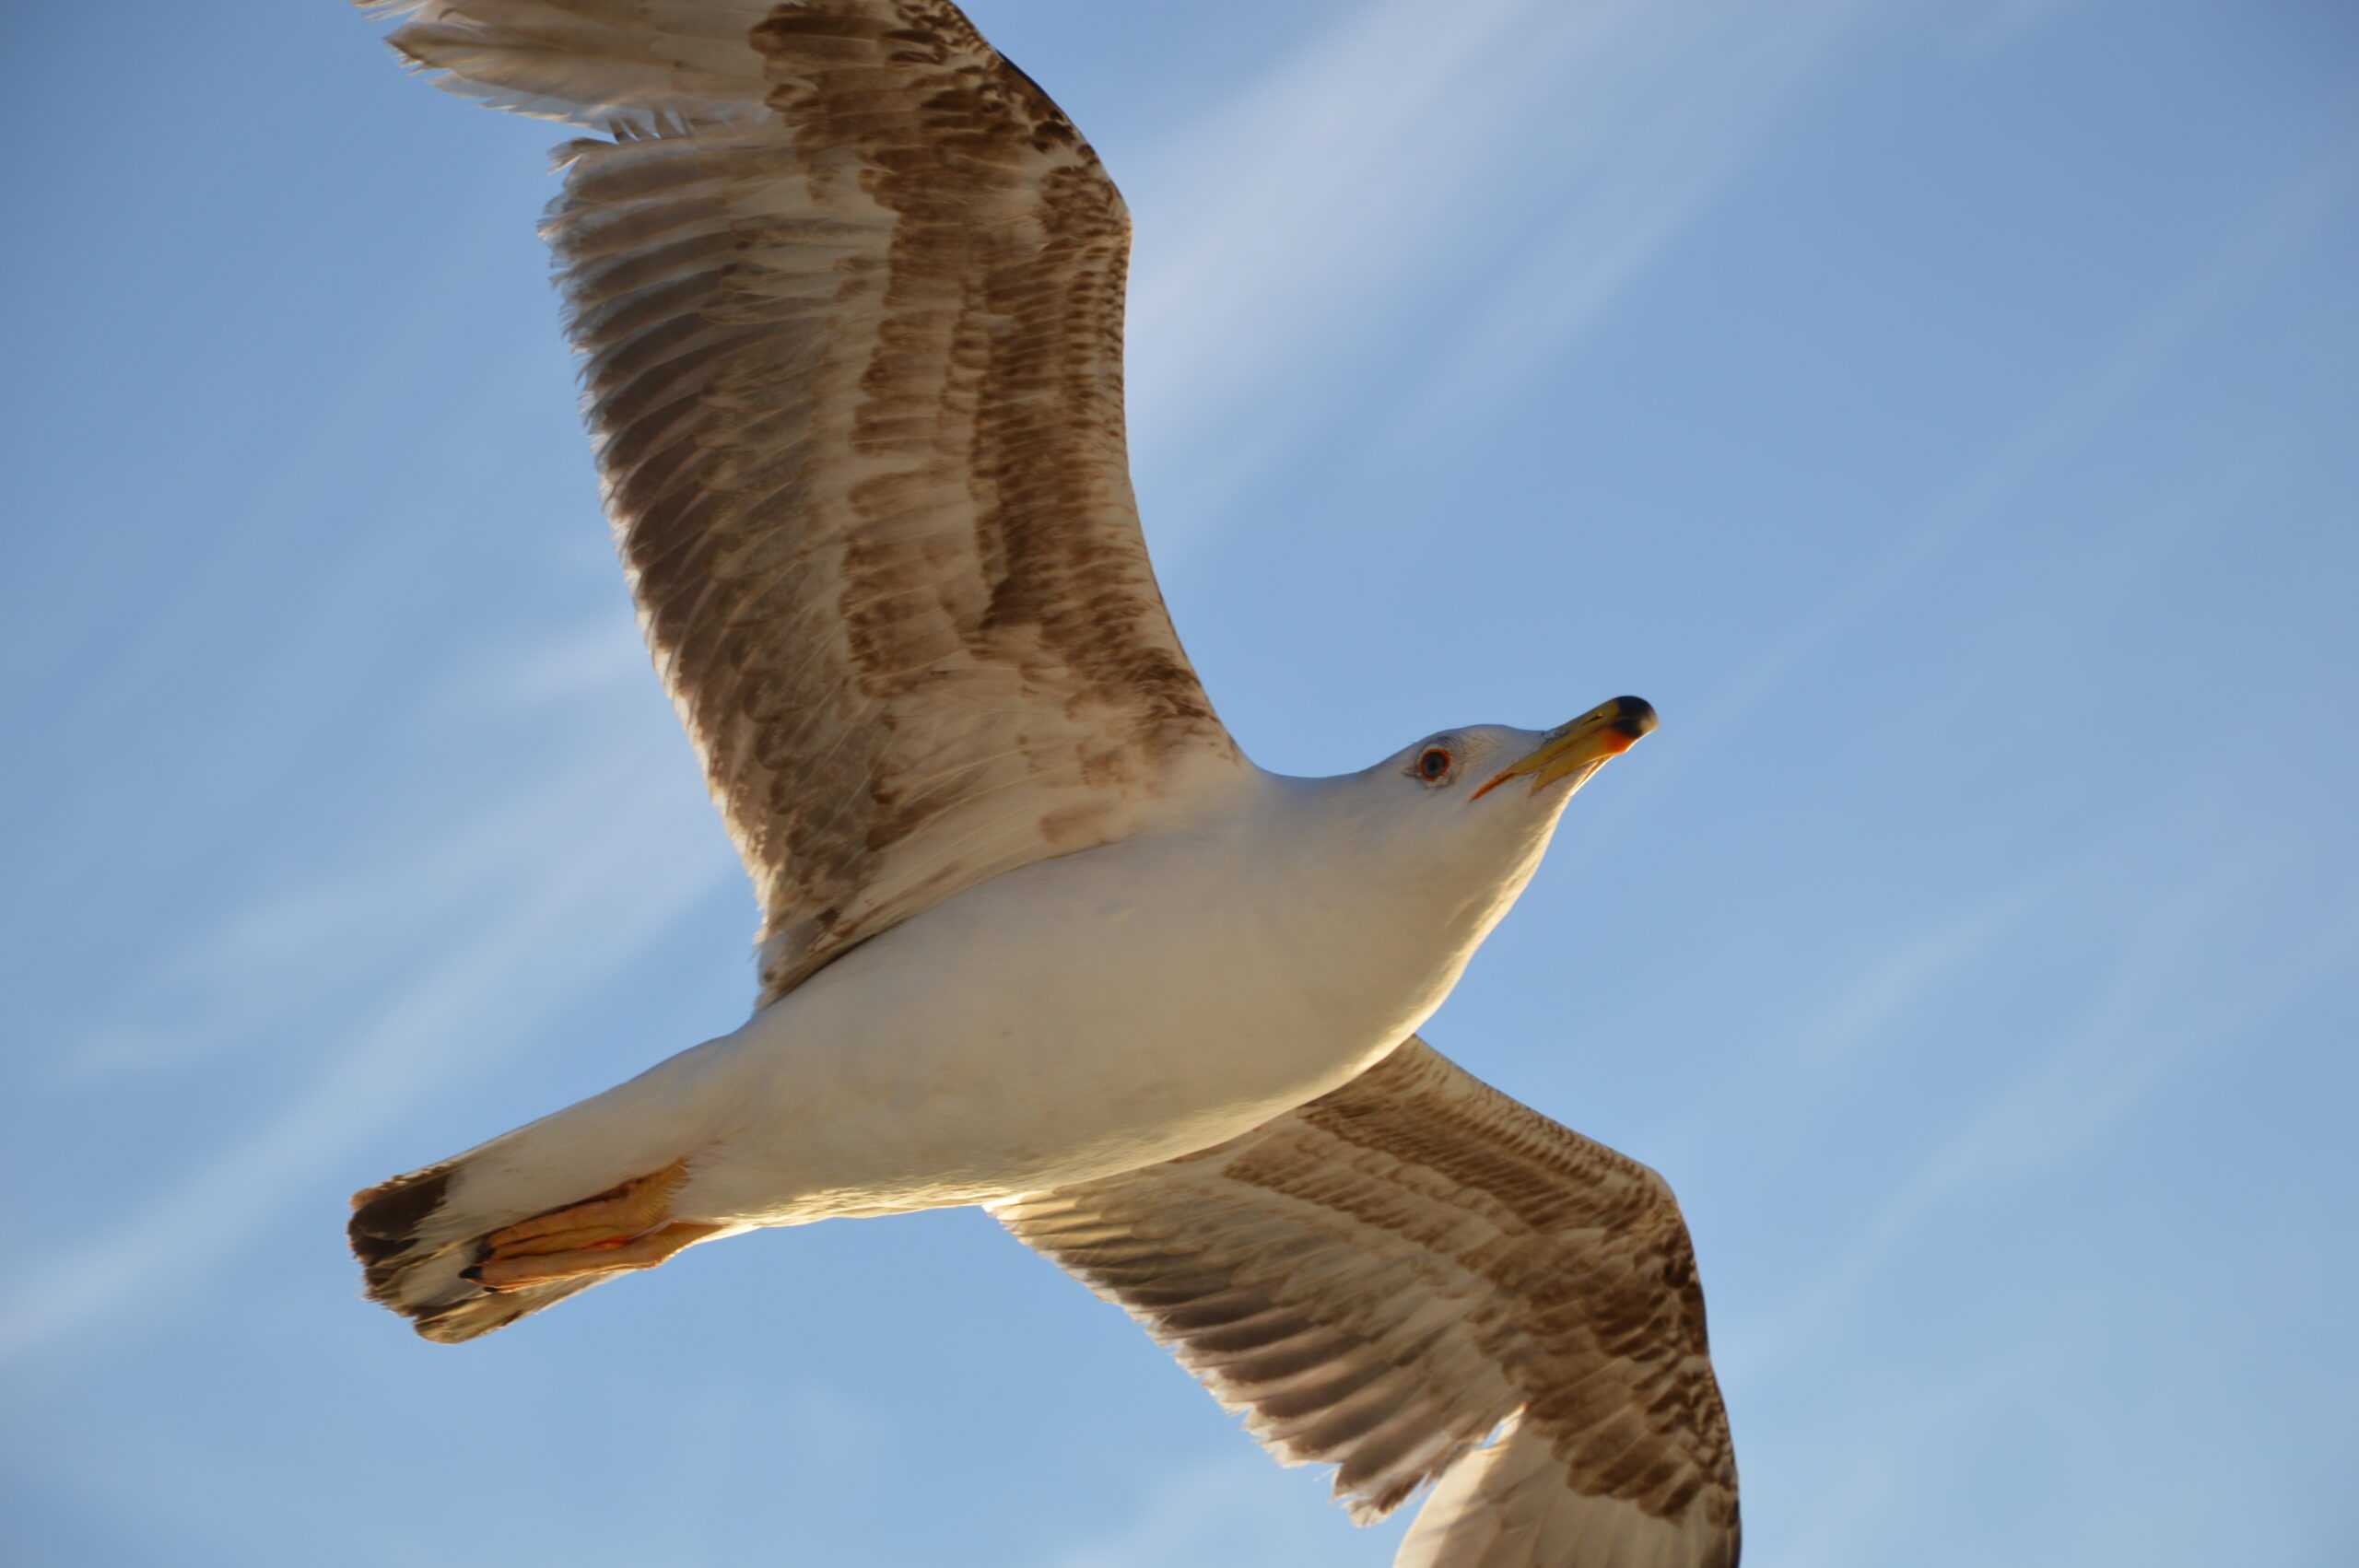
x,y
1635,716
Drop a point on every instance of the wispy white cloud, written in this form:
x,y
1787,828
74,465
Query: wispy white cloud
x,y
1242,1512
2213,282
1558,146
2133,1030
2053,427
1872,1460
1684,109
431,964
2003,24
1893,984
1893,989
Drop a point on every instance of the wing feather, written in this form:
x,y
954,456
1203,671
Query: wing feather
x,y
848,290
1387,1277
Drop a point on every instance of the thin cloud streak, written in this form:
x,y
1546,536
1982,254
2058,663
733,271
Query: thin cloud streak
x,y
1881,998
1648,175
241,510
2217,280
1876,1489
2129,1037
562,882
1243,1512
2010,22
1281,238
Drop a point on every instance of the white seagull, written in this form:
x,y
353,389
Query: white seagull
x,y
848,288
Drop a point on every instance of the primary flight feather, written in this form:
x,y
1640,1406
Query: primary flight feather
x,y
849,290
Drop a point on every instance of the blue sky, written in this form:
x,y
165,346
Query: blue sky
x,y
1942,412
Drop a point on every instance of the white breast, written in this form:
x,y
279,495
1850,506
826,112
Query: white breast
x,y
1083,1016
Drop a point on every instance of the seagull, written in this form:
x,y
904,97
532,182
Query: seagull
x,y
848,291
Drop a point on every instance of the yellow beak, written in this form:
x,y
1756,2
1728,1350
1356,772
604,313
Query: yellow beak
x,y
1583,746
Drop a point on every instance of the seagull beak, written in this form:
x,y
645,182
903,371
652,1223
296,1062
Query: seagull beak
x,y
1581,747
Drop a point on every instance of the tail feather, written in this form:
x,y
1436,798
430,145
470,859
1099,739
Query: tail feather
x,y
407,1268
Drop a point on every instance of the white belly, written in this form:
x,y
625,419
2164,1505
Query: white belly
x,y
1083,1016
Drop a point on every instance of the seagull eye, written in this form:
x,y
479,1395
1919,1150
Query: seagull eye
x,y
1434,764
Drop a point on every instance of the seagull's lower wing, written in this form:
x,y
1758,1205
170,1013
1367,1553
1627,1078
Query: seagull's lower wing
x,y
1390,1275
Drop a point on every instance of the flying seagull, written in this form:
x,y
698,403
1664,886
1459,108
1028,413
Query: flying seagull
x,y
848,290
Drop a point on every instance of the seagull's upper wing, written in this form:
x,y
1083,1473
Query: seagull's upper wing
x,y
848,288
1382,1278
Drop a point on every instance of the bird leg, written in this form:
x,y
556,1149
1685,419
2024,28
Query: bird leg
x,y
624,1228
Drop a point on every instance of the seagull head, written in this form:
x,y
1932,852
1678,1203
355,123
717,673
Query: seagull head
x,y
1477,805
1542,766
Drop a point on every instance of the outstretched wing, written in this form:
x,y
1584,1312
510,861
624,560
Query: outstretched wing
x,y
1390,1274
849,290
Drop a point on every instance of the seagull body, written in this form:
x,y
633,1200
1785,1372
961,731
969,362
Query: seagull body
x,y
1038,936
1265,942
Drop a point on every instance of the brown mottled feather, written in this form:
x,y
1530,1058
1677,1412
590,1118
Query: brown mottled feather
x,y
1381,1277
849,290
